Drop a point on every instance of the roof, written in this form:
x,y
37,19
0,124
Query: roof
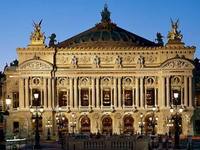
x,y
105,34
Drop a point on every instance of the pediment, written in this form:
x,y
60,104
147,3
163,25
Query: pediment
x,y
36,64
177,63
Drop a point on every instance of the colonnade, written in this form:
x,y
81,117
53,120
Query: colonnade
x,y
49,91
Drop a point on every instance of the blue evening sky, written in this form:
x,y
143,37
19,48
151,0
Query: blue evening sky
x,y
67,18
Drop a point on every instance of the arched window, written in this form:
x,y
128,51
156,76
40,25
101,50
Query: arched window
x,y
128,124
85,124
63,98
107,125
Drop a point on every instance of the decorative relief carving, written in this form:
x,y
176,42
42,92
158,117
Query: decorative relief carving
x,y
151,59
127,81
178,63
128,59
84,60
84,81
35,65
107,59
62,81
106,81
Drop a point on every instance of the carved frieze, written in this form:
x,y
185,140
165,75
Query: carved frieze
x,y
177,64
35,64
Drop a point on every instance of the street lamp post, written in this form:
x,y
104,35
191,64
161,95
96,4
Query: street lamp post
x,y
176,119
36,111
141,123
153,121
3,114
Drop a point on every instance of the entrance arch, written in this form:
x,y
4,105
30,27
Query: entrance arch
x,y
148,126
85,124
107,125
62,123
128,124
172,127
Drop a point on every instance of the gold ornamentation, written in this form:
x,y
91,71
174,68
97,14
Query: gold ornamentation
x,y
37,37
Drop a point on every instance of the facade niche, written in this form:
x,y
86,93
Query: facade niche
x,y
150,97
15,96
63,98
128,97
106,97
85,97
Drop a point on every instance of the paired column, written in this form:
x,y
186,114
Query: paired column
x,y
97,94
71,92
49,104
21,93
190,91
93,92
45,92
168,92
26,92
75,93
137,91
119,93
115,92
185,90
142,92
162,100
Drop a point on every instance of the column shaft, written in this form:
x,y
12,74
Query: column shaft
x,y
93,92
26,92
97,95
142,92
185,90
190,91
71,92
115,92
119,93
137,91
168,92
45,92
21,93
75,93
49,104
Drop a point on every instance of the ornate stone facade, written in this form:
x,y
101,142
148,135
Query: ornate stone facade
x,y
102,83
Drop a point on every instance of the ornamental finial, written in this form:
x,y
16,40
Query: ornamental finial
x,y
37,36
105,15
174,34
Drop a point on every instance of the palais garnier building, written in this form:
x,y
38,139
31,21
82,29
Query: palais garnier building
x,y
105,79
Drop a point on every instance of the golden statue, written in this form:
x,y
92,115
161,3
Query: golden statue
x,y
174,34
37,37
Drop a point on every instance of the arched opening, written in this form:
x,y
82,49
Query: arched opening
x,y
107,125
173,120
62,123
150,124
128,124
85,124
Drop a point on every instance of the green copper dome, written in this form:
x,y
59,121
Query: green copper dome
x,y
106,34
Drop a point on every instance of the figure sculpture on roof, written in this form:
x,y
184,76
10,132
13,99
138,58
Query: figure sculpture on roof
x,y
37,36
174,34
52,40
105,14
159,38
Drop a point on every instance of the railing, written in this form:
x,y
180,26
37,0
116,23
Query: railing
x,y
105,143
15,143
